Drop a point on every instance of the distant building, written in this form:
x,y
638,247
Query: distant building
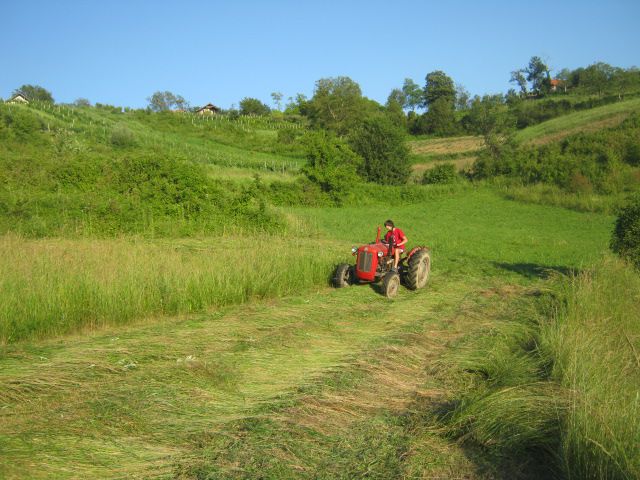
x,y
556,83
208,109
18,98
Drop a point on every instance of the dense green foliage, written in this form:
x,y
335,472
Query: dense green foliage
x,y
35,93
331,164
626,235
449,110
604,161
55,181
441,173
253,106
338,105
382,146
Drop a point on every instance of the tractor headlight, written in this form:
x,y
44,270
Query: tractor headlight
x,y
380,254
354,249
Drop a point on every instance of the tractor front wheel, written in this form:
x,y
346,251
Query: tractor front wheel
x,y
390,284
343,276
418,271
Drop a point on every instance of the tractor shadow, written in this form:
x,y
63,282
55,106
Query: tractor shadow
x,y
534,271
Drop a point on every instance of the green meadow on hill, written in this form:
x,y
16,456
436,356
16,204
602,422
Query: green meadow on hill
x,y
166,308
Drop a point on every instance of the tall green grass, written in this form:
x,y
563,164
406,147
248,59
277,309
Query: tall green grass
x,y
564,384
51,287
547,194
596,349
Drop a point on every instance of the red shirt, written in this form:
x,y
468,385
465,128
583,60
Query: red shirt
x,y
396,236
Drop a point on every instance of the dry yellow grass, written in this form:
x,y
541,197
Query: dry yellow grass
x,y
444,146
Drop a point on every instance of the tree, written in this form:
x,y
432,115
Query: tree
x,y
517,76
439,98
394,107
538,74
440,118
298,105
396,97
277,99
412,93
462,97
625,80
382,146
489,116
331,164
81,102
338,105
165,101
35,93
596,77
253,106
439,86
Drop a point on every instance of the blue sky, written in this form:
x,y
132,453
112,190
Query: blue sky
x,y
120,52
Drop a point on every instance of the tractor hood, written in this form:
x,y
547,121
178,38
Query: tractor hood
x,y
374,248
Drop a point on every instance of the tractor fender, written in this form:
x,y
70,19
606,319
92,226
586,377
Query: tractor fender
x,y
416,249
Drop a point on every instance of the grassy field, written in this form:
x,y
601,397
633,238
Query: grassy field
x,y
584,121
245,143
229,356
319,383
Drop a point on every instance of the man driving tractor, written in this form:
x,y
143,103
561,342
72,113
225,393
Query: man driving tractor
x,y
382,262
397,239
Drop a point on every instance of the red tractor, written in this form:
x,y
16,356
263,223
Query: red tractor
x,y
375,262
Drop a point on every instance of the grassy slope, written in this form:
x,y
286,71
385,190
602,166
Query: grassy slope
x,y
323,382
195,138
330,383
587,120
456,148
462,151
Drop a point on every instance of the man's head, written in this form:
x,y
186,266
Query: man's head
x,y
389,224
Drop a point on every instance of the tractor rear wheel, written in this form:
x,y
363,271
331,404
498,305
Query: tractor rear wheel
x,y
418,271
390,284
343,276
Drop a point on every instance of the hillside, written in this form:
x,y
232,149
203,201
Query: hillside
x,y
98,171
583,121
166,313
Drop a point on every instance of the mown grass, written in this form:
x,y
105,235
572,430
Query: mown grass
x,y
477,225
170,394
230,392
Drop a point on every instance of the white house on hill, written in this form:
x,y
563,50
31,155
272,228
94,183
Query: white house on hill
x,y
208,109
18,98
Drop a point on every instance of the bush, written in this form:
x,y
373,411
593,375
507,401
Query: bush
x,y
22,122
121,136
331,164
382,146
440,174
626,234
287,136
